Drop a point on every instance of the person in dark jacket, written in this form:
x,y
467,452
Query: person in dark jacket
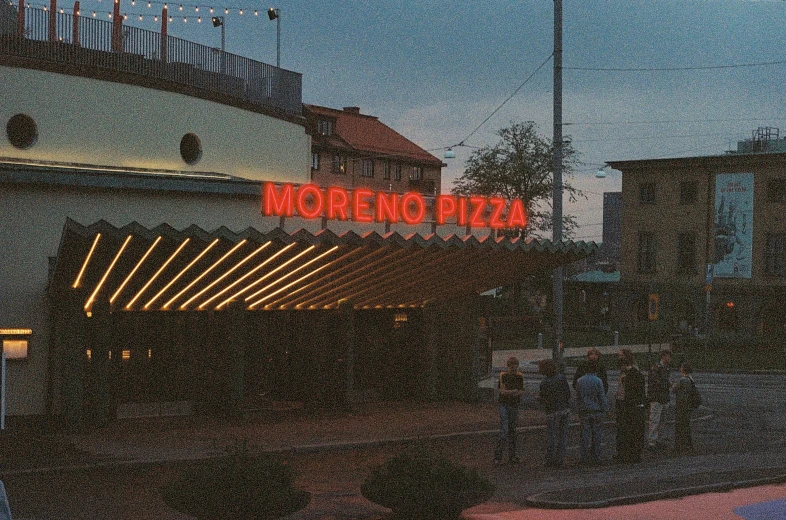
x,y
592,364
511,388
631,412
658,394
555,400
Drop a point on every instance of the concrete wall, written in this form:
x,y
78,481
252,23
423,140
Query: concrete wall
x,y
86,121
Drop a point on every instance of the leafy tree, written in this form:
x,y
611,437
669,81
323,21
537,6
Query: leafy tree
x,y
519,166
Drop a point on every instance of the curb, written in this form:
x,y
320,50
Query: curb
x,y
538,500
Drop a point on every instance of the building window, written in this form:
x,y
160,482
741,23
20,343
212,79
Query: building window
x,y
191,148
775,259
314,161
647,252
686,253
339,164
396,172
776,190
416,174
386,170
325,127
647,193
367,168
688,192
21,131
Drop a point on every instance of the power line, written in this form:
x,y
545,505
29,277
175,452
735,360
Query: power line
x,y
461,143
578,123
668,69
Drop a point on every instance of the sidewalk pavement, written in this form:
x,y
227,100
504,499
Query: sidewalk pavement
x,y
470,428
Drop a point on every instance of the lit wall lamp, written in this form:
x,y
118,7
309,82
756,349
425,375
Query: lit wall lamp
x,y
275,14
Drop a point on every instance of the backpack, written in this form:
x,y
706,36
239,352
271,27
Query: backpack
x,y
694,398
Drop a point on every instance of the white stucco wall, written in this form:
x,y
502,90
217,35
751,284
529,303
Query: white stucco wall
x,y
87,121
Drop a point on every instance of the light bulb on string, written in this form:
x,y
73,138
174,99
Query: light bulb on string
x,y
185,20
241,11
149,5
133,2
155,18
199,19
140,17
196,9
256,13
180,8
171,19
226,11
211,10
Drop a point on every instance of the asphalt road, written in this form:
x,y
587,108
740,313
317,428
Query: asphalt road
x,y
741,413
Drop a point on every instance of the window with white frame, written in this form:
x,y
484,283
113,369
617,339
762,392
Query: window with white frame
x,y
339,164
325,127
367,168
775,255
416,173
397,172
386,170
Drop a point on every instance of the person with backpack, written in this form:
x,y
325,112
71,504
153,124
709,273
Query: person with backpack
x,y
688,399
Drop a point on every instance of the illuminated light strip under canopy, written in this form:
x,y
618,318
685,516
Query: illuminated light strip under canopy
x,y
181,273
373,271
94,294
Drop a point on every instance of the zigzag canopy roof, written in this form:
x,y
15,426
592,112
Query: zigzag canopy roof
x,y
161,268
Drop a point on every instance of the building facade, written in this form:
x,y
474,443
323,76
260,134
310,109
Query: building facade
x,y
353,150
143,274
706,235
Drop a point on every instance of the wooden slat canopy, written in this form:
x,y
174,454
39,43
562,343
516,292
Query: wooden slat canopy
x,y
162,268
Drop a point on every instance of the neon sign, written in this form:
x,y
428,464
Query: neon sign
x,y
364,205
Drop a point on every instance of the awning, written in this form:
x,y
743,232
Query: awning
x,y
137,268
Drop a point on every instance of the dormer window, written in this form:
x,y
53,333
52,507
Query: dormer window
x,y
325,127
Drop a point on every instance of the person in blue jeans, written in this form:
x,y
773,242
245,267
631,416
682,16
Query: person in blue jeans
x,y
511,388
555,400
593,404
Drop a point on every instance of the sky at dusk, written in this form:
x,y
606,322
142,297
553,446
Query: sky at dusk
x,y
434,70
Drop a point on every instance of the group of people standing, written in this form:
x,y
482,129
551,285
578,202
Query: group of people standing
x,y
639,404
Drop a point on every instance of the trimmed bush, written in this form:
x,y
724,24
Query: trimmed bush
x,y
421,485
237,486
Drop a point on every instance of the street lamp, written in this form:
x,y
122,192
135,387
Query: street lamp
x,y
218,21
275,14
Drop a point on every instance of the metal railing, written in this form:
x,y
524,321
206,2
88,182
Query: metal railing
x,y
88,42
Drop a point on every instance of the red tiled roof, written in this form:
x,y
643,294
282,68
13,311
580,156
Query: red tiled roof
x,y
366,133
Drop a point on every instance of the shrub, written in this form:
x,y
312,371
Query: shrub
x,y
237,486
419,484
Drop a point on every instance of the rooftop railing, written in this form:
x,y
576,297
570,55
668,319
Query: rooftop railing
x,y
109,45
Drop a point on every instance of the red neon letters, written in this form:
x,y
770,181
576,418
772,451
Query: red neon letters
x,y
364,205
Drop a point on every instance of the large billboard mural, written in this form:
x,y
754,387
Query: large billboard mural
x,y
733,225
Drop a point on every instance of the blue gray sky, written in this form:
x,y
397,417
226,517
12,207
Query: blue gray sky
x,y
435,69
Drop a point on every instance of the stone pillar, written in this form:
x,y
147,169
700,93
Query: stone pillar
x,y
70,341
101,326
347,313
430,331
237,341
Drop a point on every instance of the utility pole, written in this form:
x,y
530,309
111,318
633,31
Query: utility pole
x,y
557,193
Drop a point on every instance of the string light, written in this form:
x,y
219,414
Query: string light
x,y
196,9
199,19
241,11
180,8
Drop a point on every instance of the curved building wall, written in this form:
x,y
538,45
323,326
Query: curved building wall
x,y
86,121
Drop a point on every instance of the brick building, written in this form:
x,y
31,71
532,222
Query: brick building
x,y
350,149
707,235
